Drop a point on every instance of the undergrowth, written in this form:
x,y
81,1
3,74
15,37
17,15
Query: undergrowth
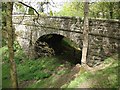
x,y
47,71
105,78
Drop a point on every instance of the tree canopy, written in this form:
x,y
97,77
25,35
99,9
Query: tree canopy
x,y
109,10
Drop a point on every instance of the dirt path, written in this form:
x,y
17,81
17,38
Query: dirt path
x,y
87,84
66,78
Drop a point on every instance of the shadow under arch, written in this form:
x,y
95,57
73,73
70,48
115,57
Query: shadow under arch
x,y
59,46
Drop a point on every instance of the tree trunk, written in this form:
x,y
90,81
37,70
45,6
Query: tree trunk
x,y
85,33
10,30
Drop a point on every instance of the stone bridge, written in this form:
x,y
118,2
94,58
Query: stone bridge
x,y
104,35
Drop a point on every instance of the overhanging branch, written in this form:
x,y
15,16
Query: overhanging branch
x,y
30,7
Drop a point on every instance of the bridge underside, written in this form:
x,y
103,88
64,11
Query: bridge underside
x,y
59,46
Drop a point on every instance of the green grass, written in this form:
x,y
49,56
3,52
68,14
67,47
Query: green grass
x,y
106,78
41,71
5,67
6,76
29,70
81,78
51,65
36,69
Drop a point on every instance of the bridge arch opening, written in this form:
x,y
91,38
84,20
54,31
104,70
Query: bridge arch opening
x,y
59,46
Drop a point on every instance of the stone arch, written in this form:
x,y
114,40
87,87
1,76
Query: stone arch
x,y
76,37
55,44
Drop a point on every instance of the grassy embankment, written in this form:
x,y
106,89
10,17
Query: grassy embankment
x,y
52,72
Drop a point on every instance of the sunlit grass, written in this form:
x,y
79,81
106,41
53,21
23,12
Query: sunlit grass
x,y
41,71
28,70
105,78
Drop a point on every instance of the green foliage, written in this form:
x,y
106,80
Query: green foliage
x,y
105,78
66,42
34,70
45,72
28,70
4,6
19,8
6,76
51,13
30,11
82,77
5,68
105,10
3,50
17,46
4,53
71,9
3,42
109,10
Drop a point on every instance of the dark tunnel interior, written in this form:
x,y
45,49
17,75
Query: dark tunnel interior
x,y
59,46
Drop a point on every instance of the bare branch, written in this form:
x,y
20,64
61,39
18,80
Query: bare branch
x,y
29,7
